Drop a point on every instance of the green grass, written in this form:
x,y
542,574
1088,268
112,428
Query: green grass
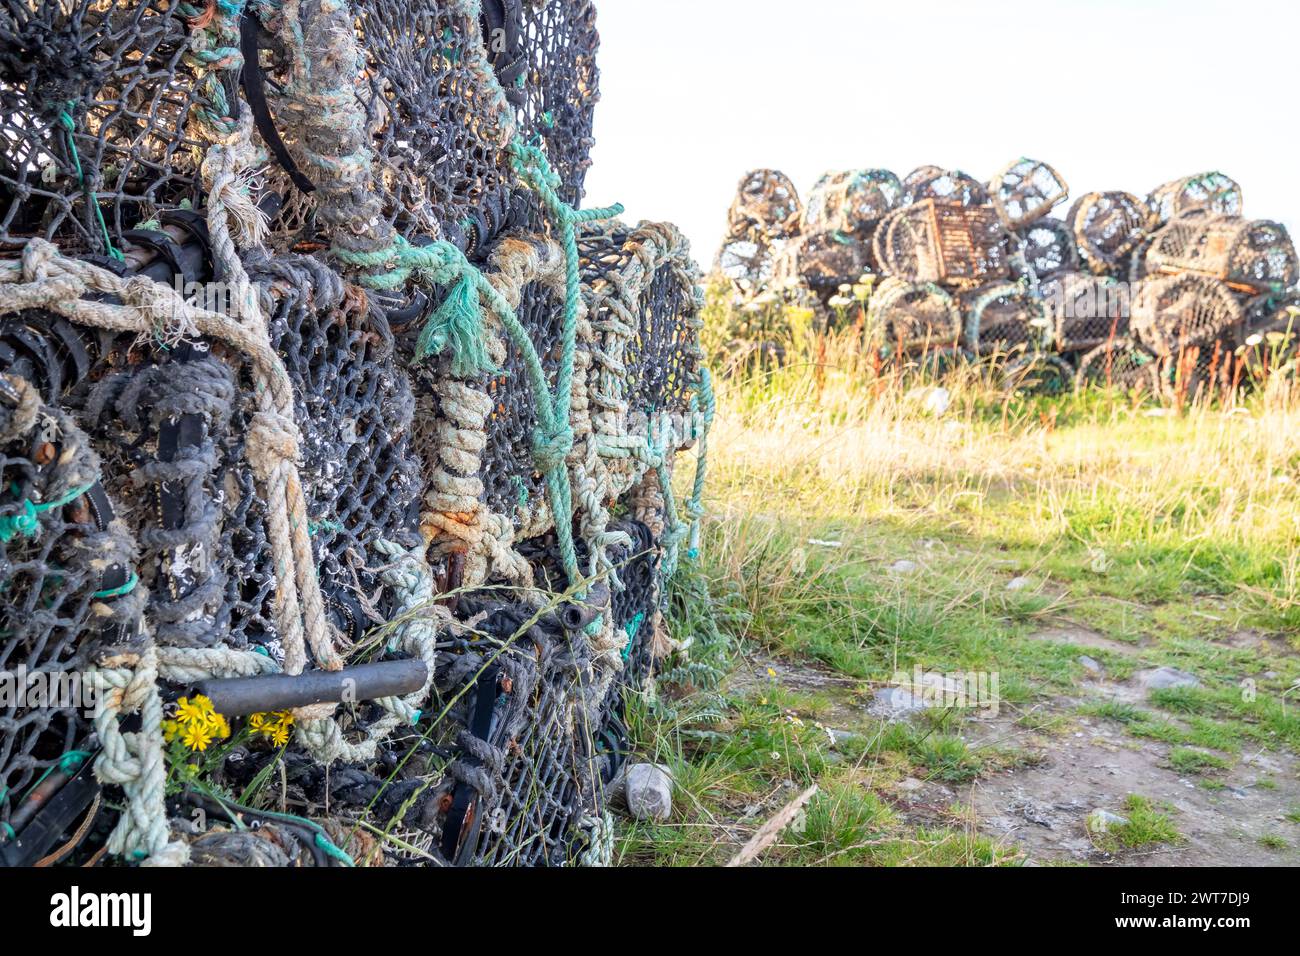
x,y
1162,535
1146,825
1189,760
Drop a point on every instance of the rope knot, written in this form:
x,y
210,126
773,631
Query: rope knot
x,y
551,449
38,256
162,307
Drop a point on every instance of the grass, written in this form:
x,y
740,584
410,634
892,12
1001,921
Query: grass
x,y
1192,761
1145,826
1159,530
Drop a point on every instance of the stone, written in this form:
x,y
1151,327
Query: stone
x,y
841,737
1019,584
903,567
1100,821
896,703
1163,678
1091,665
648,791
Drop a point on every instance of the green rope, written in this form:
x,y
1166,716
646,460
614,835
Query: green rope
x,y
69,128
27,523
457,326
703,402
126,588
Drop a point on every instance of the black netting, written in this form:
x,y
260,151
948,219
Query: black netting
x,y
932,182
1047,248
94,100
439,137
1123,365
61,564
510,478
355,409
561,82
1084,311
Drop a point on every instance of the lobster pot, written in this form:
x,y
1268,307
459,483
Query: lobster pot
x,y
61,562
95,119
1267,313
909,317
1121,364
1026,190
1272,333
1213,193
643,313
1250,255
824,261
1173,313
933,241
750,265
1038,373
1047,248
1002,318
946,185
1084,311
1107,228
767,203
851,202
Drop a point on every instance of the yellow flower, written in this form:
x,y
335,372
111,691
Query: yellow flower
x,y
274,726
170,730
199,713
191,711
197,737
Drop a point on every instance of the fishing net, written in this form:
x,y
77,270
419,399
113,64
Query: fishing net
x,y
1026,190
1002,318
351,396
948,185
1251,255
1084,311
943,241
1213,193
1173,313
1047,248
95,100
1122,364
909,317
1107,228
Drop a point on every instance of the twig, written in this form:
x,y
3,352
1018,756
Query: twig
x,y
769,831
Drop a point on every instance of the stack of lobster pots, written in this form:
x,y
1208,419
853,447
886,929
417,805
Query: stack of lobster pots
x,y
964,265
1174,292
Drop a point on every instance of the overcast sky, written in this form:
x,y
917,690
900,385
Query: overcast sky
x,y
1116,94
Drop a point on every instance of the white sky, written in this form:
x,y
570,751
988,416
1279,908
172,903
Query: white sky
x,y
1116,94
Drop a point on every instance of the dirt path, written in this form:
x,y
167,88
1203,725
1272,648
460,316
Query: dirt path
x,y
1076,759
